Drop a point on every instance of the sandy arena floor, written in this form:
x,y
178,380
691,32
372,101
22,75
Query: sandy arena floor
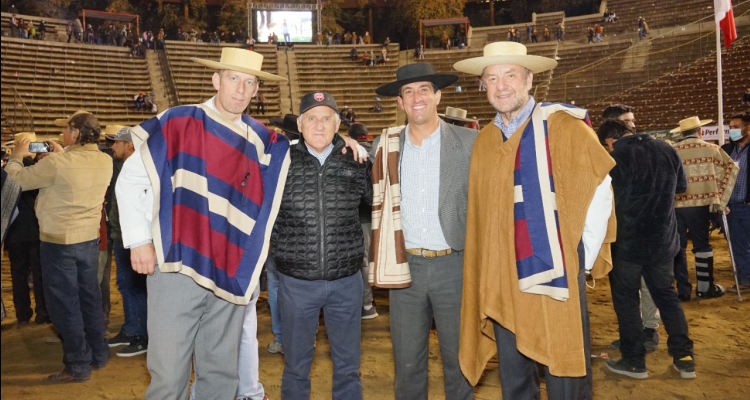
x,y
719,327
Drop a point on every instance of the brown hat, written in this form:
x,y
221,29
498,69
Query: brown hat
x,y
62,122
457,114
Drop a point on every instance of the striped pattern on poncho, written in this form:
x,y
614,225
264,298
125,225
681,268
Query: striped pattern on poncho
x,y
217,191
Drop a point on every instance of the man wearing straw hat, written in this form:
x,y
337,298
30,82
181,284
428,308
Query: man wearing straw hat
x,y
421,224
72,183
711,175
197,200
457,116
531,230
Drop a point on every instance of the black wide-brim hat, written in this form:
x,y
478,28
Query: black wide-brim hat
x,y
288,124
417,72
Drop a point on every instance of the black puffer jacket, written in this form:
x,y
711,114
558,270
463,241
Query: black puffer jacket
x,y
317,235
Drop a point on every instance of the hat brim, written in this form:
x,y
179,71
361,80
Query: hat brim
x,y
476,65
61,122
219,65
279,123
458,118
703,122
439,80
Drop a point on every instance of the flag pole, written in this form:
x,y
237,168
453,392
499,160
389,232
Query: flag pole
x,y
720,120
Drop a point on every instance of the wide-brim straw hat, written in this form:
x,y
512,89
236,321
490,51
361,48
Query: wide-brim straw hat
x,y
691,123
417,72
505,53
61,122
20,135
240,60
458,114
111,130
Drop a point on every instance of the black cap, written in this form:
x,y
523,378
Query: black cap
x,y
357,130
314,99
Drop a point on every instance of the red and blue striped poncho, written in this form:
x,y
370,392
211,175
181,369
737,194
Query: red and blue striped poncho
x,y
217,191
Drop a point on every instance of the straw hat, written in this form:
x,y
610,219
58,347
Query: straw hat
x,y
241,60
61,122
690,123
111,130
457,114
505,53
417,72
20,135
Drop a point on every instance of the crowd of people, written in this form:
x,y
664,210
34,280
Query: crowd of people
x,y
473,241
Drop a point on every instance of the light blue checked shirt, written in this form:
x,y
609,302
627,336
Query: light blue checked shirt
x,y
420,191
321,156
517,121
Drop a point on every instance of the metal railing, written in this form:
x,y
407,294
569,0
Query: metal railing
x,y
18,111
166,74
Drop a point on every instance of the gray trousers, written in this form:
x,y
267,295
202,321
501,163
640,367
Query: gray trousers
x,y
435,292
366,288
188,322
519,376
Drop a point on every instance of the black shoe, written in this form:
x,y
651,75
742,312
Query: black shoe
x,y
623,368
712,293
685,366
650,339
120,340
139,345
684,297
42,319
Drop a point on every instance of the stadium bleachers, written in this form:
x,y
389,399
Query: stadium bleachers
x,y
352,84
55,27
56,79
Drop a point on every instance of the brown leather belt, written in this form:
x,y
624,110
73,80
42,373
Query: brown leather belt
x,y
426,253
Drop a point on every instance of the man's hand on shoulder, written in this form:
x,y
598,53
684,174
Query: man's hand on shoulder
x,y
360,153
143,258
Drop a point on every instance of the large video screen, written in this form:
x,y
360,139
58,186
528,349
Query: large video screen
x,y
289,26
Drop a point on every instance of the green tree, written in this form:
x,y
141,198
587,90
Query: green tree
x,y
233,16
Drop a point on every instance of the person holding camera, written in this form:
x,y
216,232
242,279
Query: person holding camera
x,y
72,183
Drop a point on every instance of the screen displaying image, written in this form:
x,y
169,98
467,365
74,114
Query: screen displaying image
x,y
289,26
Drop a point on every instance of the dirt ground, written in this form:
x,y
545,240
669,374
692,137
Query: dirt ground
x,y
719,327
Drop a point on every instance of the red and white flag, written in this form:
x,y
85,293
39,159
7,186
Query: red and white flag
x,y
725,19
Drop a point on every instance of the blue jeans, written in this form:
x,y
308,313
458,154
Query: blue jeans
x,y
625,281
74,302
739,233
132,286
300,302
273,290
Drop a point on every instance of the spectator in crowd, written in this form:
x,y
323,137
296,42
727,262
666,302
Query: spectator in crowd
x,y
160,36
534,36
711,175
132,285
738,217
546,34
71,187
353,54
419,52
645,180
387,41
599,29
378,107
649,312
22,28
642,28
445,40
560,34
13,24
89,34
433,166
22,243
529,32
261,106
612,17
327,276
384,53
193,317
605,15
139,101
319,38
77,30
590,34
367,39
366,60
42,30
354,38
746,98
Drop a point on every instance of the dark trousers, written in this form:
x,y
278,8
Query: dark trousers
x,y
132,286
435,292
739,233
75,304
104,283
24,260
300,303
625,282
519,376
693,223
